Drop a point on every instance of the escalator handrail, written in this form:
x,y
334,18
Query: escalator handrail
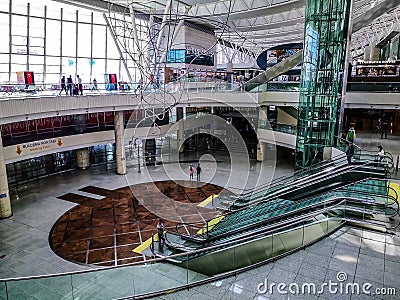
x,y
338,189
339,172
353,167
204,224
279,179
338,200
340,139
257,224
274,182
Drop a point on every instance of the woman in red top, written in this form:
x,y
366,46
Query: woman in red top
x,y
191,172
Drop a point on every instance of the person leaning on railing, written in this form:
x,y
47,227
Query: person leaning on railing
x,y
94,86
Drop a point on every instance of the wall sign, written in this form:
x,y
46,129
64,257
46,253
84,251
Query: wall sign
x,y
39,145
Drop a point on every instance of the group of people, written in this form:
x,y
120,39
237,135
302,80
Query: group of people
x,y
68,86
198,171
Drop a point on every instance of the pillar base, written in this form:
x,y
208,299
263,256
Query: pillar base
x,y
5,207
3,218
82,158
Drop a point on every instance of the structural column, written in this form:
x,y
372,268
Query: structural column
x,y
5,204
119,142
82,158
229,66
261,149
323,78
367,53
375,53
181,129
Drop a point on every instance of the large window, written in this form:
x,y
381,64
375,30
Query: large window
x,y
74,41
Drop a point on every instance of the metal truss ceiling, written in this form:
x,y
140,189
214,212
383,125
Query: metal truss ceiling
x,y
260,24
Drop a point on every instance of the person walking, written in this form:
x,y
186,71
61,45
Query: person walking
x,y
198,171
160,232
191,172
80,85
63,86
70,85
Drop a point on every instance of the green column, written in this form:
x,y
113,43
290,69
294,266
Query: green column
x,y
322,77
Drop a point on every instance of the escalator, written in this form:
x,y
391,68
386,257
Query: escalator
x,y
291,111
317,179
275,71
291,213
249,234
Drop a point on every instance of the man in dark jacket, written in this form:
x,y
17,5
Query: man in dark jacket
x,y
198,171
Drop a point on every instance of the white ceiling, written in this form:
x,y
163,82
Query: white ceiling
x,y
260,24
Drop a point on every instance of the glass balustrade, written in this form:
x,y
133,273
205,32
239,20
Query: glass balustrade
x,y
156,275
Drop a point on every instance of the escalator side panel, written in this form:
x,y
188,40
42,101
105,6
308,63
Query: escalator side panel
x,y
261,249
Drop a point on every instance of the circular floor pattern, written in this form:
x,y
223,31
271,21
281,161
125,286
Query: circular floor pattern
x,y
104,229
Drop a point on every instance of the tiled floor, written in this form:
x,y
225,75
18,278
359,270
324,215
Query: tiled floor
x,y
103,230
364,256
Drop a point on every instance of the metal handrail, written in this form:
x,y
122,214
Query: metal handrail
x,y
296,173
334,199
187,254
307,180
153,260
339,189
345,163
313,170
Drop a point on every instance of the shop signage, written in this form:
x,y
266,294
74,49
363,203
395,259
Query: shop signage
x,y
38,146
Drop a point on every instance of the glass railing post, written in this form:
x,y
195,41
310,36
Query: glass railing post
x,y
272,244
327,225
234,258
72,286
6,291
187,268
365,208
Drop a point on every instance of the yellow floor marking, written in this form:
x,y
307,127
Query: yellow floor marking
x,y
208,200
396,187
211,224
143,246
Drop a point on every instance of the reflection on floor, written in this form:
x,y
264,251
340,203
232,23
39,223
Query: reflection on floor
x,y
104,232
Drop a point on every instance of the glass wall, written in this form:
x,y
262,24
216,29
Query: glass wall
x,y
35,168
322,75
390,50
53,39
54,127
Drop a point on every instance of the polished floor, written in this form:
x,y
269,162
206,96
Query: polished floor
x,y
364,256
107,224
